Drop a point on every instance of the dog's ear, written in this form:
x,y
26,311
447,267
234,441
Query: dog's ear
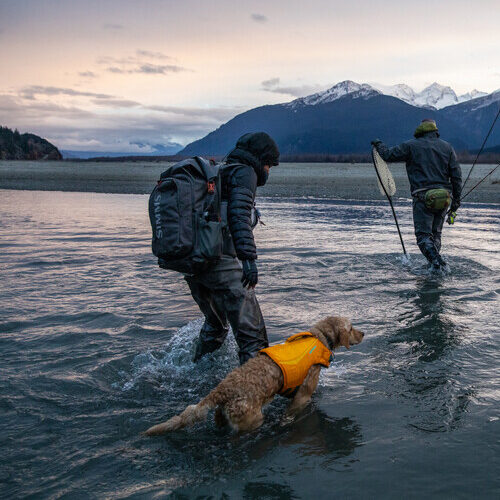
x,y
344,338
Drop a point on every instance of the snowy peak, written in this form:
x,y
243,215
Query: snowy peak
x,y
437,96
337,91
401,91
471,95
434,96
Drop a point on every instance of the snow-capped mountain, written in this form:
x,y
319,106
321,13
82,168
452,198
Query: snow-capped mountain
x,y
346,117
401,91
437,96
336,92
474,94
434,96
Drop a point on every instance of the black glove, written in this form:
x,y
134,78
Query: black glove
x,y
250,274
376,142
455,205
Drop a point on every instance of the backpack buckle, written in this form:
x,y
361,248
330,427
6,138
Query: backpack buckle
x,y
211,187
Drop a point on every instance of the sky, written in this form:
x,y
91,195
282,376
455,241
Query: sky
x,y
122,75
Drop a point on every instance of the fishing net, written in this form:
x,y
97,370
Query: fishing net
x,y
384,176
387,186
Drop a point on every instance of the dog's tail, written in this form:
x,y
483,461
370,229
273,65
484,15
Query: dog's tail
x,y
191,415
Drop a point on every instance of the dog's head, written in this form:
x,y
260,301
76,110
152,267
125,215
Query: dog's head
x,y
339,332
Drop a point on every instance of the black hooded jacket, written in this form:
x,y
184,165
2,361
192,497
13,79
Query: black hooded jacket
x,y
240,178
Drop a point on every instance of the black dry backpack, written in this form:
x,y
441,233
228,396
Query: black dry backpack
x,y
184,210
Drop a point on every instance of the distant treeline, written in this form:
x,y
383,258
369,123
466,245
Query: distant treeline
x,y
463,157
16,146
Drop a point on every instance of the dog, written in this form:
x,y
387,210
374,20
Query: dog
x,y
239,398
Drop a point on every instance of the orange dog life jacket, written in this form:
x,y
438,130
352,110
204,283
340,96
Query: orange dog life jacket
x,y
296,356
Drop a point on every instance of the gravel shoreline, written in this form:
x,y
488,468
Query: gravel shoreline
x,y
323,180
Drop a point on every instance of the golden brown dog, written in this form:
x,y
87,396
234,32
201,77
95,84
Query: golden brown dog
x,y
239,398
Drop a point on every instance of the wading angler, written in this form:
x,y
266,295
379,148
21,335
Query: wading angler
x,y
202,216
435,180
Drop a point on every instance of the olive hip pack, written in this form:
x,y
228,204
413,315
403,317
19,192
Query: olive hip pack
x,y
437,199
184,211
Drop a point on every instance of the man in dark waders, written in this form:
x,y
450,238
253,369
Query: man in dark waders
x,y
225,293
433,172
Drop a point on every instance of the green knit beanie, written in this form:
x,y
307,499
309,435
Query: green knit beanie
x,y
427,125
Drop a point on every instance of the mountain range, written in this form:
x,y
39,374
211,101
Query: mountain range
x,y
434,96
346,117
144,149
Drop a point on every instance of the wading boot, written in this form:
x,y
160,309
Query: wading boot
x,y
210,339
432,255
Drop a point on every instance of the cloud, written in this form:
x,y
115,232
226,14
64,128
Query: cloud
x,y
87,74
154,69
119,128
113,27
117,103
152,55
215,114
270,84
273,85
140,57
148,69
33,90
140,63
13,109
218,114
259,18
116,60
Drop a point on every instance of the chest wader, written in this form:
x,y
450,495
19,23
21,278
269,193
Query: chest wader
x,y
429,211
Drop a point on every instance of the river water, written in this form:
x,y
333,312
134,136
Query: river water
x,y
95,346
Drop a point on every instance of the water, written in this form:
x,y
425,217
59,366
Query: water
x,y
95,346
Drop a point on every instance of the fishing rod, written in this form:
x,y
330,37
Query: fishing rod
x,y
452,215
378,162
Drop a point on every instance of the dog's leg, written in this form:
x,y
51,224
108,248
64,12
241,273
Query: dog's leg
x,y
244,414
191,415
220,417
305,390
249,422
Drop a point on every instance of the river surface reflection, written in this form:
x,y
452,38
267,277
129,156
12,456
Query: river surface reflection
x,y
96,342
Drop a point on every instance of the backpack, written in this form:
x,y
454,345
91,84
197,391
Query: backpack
x,y
185,215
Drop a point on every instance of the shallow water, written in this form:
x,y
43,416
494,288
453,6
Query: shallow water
x,y
95,346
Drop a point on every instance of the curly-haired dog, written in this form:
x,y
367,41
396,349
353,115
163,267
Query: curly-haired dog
x,y
291,369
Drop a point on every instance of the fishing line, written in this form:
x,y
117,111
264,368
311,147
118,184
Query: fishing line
x,y
387,186
476,185
451,215
480,151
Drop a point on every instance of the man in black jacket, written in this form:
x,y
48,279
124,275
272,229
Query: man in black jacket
x,y
225,293
431,163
